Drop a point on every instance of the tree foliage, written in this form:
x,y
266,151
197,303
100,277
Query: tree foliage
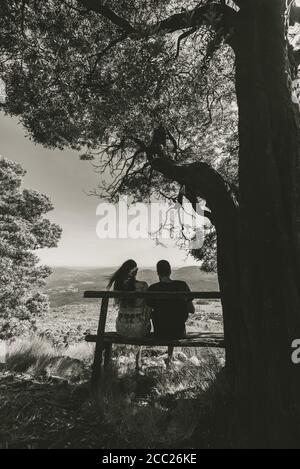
x,y
23,229
77,79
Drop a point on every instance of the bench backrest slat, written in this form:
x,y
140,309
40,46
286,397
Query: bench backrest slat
x,y
213,295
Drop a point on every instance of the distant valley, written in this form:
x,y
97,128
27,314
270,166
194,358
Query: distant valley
x,y
66,285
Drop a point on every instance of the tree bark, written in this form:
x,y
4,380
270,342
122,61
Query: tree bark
x,y
269,228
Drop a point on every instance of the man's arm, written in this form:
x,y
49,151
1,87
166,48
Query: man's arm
x,y
190,304
191,307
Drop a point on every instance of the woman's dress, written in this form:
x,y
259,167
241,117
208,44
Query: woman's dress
x,y
133,321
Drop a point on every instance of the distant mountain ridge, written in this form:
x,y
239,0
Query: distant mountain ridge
x,y
66,285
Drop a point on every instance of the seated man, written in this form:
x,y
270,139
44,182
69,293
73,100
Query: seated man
x,y
169,316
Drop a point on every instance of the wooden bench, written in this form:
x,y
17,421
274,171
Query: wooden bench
x,y
105,340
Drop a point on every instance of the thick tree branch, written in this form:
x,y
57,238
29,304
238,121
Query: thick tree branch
x,y
199,179
98,7
193,199
211,14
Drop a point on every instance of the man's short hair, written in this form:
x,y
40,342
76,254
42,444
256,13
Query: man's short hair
x,y
163,268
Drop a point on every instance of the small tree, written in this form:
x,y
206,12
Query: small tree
x,y
22,230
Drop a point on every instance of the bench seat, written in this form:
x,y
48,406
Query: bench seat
x,y
105,340
194,339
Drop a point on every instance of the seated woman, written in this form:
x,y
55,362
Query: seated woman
x,y
133,314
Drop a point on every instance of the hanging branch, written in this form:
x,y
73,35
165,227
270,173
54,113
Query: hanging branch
x,y
183,36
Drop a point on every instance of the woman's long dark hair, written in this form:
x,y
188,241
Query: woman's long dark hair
x,y
124,280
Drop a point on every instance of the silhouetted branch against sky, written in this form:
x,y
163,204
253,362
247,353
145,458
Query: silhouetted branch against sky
x,y
203,15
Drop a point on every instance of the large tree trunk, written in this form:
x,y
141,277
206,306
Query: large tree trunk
x,y
203,181
269,387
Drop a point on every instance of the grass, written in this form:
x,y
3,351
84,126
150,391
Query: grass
x,y
38,358
45,399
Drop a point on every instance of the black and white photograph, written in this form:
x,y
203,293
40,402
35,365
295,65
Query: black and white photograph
x,y
149,227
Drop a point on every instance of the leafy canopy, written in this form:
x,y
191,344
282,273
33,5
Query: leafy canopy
x,y
76,81
100,77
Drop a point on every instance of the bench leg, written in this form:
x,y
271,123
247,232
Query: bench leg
x,y
100,347
97,371
170,355
138,358
100,362
107,355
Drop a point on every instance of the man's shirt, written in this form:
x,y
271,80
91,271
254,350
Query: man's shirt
x,y
169,316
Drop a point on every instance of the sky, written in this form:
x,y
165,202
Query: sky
x,y
66,180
